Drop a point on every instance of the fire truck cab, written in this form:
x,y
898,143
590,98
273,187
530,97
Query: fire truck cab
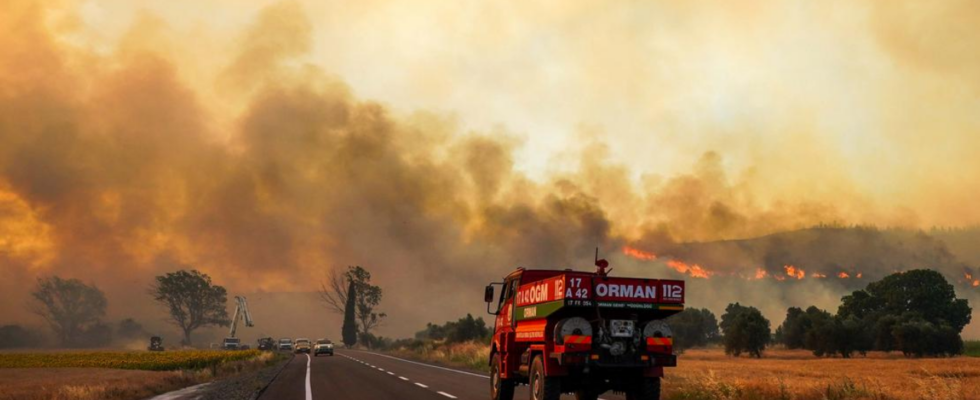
x,y
565,331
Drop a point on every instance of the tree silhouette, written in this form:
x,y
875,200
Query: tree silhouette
x,y
349,330
192,300
69,306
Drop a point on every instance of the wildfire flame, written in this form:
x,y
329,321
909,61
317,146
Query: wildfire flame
x,y
794,272
695,271
976,283
969,276
639,254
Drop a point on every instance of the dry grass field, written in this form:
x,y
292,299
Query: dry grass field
x,y
784,374
708,374
78,375
87,383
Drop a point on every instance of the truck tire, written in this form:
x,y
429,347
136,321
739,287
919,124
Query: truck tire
x,y
648,389
500,389
542,386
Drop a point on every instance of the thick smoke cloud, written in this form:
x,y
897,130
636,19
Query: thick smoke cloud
x,y
266,170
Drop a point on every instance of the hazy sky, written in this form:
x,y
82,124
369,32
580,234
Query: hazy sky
x,y
441,144
872,103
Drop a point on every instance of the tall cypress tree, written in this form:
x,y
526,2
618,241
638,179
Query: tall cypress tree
x,y
350,327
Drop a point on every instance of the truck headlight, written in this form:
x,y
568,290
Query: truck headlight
x,y
657,328
577,326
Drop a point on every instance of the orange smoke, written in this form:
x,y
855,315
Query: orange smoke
x,y
794,272
695,271
639,254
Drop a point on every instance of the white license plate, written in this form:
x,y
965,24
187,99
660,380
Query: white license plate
x,y
621,328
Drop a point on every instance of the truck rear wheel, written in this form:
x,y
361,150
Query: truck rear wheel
x,y
500,389
648,389
543,387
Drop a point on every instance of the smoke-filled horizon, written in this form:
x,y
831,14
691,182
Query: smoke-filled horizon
x,y
268,143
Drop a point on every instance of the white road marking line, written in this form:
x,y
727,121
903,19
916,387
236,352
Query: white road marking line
x,y
309,391
427,365
381,369
421,385
403,378
391,373
447,395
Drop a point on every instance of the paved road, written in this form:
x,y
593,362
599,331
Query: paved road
x,y
367,376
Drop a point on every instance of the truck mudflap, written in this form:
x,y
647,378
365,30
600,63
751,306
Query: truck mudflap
x,y
660,345
574,344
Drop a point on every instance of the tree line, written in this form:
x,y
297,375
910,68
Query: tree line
x,y
915,312
75,311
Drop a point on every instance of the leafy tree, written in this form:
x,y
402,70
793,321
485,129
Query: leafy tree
x,y
693,328
884,337
921,291
469,328
192,300
349,330
335,296
792,332
819,331
746,330
915,311
69,306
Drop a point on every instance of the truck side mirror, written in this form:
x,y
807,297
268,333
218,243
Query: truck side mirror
x,y
488,294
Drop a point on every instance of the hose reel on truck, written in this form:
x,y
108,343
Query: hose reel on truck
x,y
575,326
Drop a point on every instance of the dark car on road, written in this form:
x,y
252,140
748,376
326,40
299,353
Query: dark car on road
x,y
286,344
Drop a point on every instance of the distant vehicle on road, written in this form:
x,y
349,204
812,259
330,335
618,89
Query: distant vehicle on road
x,y
267,344
286,344
302,346
323,346
156,343
232,343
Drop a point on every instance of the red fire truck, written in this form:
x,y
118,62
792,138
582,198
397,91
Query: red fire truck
x,y
565,331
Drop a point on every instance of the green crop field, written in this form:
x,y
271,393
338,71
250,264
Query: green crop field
x,y
152,361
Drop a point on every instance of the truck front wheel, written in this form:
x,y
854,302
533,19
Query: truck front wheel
x,y
648,389
500,389
543,387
